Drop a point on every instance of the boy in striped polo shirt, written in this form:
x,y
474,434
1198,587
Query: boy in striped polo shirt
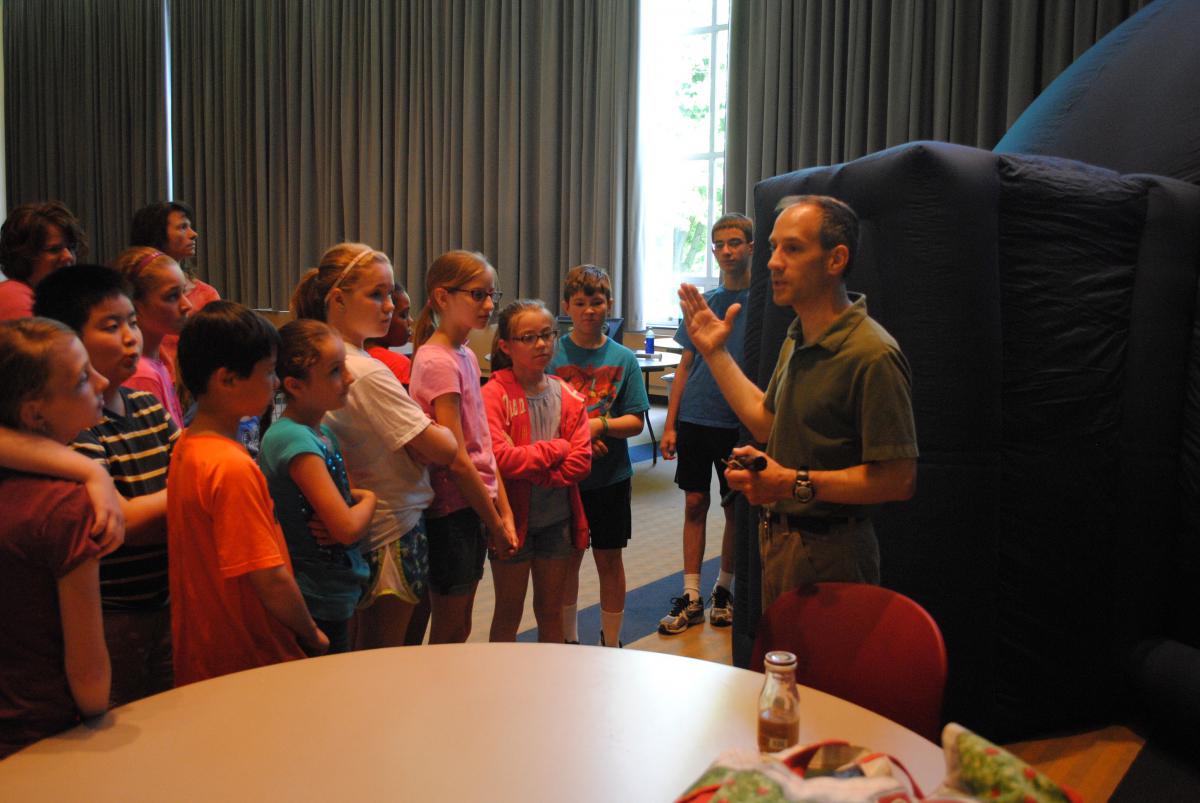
x,y
133,441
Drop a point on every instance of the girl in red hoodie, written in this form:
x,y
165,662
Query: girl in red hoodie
x,y
542,443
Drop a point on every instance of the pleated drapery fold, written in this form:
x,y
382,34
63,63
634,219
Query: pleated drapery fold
x,y
818,82
494,125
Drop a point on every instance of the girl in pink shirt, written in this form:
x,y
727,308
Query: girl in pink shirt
x,y
160,298
460,291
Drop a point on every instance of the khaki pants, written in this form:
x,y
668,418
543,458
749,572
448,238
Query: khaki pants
x,y
792,558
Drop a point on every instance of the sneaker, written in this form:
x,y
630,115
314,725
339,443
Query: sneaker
x,y
620,643
684,613
721,612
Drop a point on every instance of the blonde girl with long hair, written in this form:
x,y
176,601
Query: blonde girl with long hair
x,y
386,439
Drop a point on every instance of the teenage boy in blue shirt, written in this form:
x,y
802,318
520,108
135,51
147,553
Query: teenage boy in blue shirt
x,y
702,429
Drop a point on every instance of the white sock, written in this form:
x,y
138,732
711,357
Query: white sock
x,y
610,624
691,585
570,623
724,580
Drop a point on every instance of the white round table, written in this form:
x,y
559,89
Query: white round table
x,y
522,722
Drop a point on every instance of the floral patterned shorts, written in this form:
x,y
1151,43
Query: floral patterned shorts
x,y
399,569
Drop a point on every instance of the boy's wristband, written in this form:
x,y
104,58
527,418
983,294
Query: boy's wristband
x,y
604,424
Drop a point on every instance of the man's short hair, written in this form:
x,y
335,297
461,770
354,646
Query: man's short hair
x,y
149,225
734,220
69,294
839,223
223,334
23,236
586,279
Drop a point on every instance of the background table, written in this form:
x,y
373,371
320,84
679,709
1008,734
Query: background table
x,y
661,361
522,722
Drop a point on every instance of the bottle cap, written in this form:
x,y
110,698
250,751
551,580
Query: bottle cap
x,y
780,660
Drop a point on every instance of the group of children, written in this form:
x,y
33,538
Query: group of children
x,y
377,492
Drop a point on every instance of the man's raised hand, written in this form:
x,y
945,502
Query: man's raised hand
x,y
707,332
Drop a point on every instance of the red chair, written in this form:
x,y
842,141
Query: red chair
x,y
865,644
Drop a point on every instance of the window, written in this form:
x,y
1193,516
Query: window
x,y
683,89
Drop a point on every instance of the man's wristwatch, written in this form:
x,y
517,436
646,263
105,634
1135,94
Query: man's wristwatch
x,y
803,490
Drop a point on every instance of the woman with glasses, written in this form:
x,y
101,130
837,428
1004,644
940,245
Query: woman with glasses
x,y
35,241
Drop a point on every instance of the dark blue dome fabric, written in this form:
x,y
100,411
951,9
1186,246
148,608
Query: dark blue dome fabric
x,y
1130,103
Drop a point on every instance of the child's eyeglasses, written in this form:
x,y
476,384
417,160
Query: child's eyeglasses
x,y
478,295
550,335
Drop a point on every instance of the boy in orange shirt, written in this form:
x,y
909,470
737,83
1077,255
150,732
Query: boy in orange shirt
x,y
234,602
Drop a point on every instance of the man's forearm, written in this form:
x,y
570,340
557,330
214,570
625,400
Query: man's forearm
x,y
864,484
744,397
867,483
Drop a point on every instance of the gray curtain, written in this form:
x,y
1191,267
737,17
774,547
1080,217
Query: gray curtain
x,y
85,110
815,82
505,126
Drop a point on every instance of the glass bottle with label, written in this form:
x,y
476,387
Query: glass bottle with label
x,y
779,704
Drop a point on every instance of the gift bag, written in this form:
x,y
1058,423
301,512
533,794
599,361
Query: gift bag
x,y
977,767
826,772
838,772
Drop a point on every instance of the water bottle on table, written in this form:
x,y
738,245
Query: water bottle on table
x,y
649,341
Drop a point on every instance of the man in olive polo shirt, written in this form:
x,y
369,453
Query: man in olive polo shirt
x,y
836,416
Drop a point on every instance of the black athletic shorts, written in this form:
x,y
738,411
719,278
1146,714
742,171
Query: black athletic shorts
x,y
457,546
608,513
700,449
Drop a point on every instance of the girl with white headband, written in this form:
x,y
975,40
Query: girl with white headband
x,y
386,439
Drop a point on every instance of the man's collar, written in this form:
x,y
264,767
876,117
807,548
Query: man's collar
x,y
832,338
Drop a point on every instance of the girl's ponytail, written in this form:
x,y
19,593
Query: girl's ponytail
x,y
425,326
307,300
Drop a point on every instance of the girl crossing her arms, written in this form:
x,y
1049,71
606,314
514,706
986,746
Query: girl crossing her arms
x,y
542,441
306,474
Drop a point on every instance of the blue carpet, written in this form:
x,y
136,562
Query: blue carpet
x,y
643,606
641,453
